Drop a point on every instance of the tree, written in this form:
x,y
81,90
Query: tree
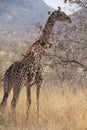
x,y
69,57
82,3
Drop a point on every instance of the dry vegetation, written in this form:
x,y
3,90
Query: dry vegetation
x,y
60,109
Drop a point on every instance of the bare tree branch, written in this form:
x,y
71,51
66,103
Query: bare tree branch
x,y
82,3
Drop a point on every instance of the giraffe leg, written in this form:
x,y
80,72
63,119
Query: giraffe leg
x,y
4,102
16,92
38,94
38,84
7,88
28,87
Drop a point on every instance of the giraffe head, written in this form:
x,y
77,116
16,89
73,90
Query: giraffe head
x,y
61,15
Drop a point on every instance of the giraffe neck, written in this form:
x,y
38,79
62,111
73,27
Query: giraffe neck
x,y
36,47
48,27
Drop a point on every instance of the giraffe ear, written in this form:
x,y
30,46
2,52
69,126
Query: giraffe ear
x,y
59,9
42,44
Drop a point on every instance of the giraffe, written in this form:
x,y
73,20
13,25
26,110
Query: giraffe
x,y
28,69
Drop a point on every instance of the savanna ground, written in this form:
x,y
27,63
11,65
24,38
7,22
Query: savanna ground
x,y
60,109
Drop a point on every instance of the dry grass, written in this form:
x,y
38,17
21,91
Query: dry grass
x,y
60,109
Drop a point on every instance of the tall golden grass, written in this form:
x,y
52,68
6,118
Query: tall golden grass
x,y
60,109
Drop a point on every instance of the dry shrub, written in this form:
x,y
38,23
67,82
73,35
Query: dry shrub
x,y
60,109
